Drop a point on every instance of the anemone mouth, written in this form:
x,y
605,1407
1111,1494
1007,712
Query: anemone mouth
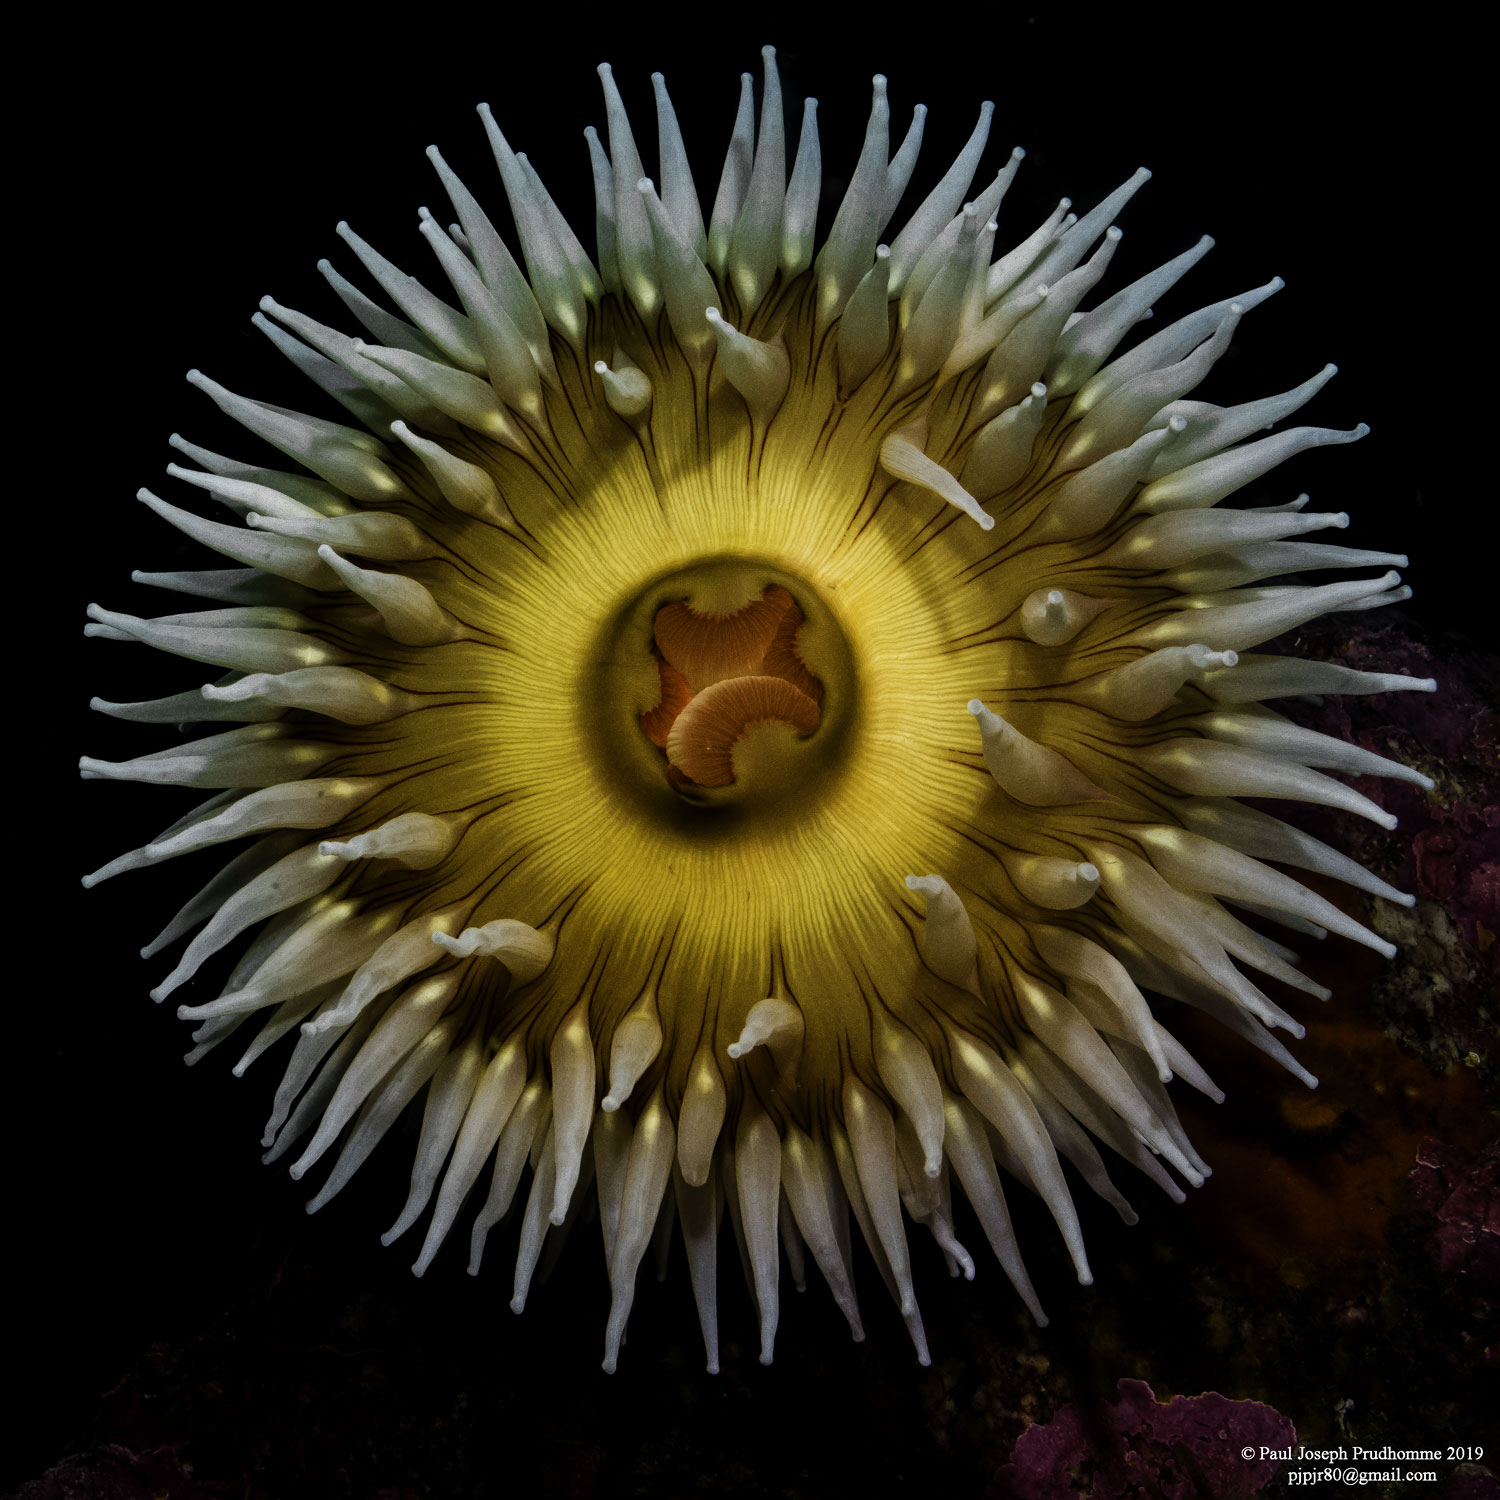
x,y
733,682
606,693
756,696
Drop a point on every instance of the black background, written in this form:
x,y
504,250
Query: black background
x,y
192,172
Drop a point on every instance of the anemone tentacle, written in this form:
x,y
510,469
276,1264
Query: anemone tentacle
x,y
588,700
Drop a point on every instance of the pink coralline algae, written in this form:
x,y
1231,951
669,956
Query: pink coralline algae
x,y
1180,1450
1458,863
1463,1190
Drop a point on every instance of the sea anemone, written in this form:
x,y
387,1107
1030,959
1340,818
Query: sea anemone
x,y
733,723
